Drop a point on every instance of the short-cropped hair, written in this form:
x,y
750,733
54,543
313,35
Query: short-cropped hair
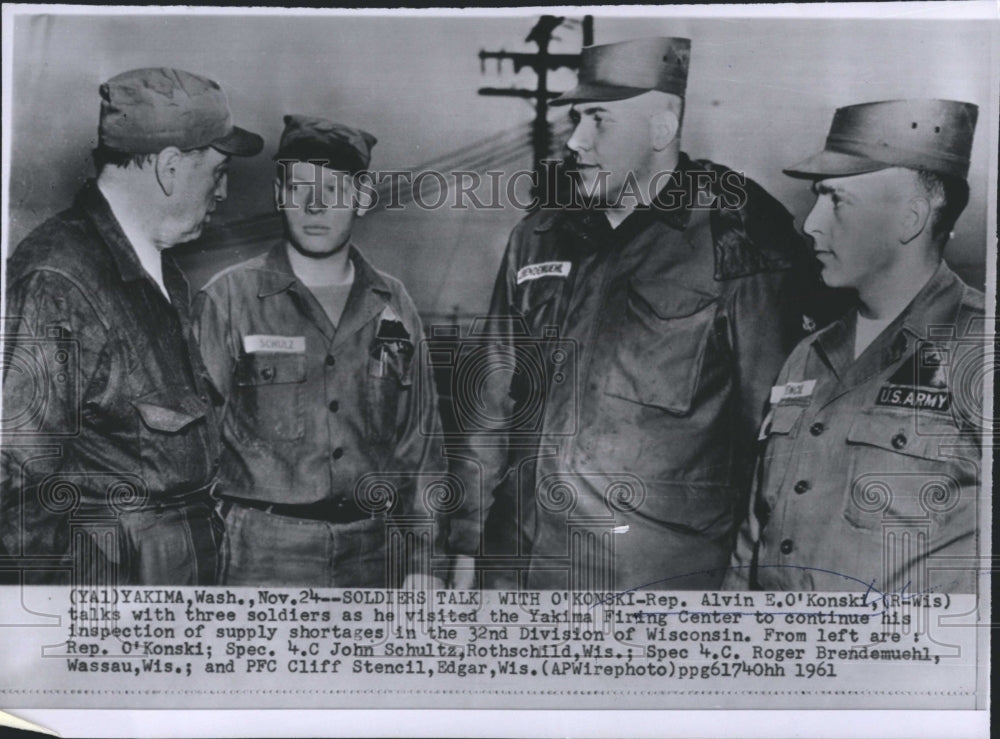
x,y
948,196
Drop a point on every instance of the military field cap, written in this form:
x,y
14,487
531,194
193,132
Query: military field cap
x,y
143,111
630,68
307,138
935,135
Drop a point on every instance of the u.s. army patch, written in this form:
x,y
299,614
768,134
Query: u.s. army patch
x,y
912,397
921,382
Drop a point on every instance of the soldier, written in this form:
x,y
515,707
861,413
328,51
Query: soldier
x,y
672,298
871,448
311,352
109,475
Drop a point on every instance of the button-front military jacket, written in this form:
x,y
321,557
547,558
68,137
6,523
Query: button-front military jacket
x,y
106,403
644,368
870,467
312,412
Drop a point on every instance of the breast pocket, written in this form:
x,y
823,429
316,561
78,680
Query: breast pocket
x,y
662,345
171,436
780,425
776,447
268,398
389,378
902,478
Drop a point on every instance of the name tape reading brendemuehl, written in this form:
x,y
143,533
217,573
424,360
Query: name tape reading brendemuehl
x,y
292,647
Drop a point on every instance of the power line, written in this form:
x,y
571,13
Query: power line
x,y
542,63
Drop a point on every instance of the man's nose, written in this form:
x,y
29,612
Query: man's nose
x,y
580,140
816,219
222,191
315,203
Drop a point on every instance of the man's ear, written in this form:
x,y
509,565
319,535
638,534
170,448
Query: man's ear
x,y
663,128
365,195
914,218
167,162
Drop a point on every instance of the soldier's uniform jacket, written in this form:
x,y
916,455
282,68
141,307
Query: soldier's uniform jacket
x,y
107,419
870,468
656,344
313,413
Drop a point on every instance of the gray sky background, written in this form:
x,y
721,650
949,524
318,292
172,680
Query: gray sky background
x,y
761,93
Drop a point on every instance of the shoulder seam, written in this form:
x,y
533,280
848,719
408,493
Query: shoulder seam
x,y
245,265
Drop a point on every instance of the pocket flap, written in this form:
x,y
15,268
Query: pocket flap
x,y
669,299
784,417
270,369
897,432
168,412
661,346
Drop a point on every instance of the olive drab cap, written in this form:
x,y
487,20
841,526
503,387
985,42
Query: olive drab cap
x,y
143,111
934,135
630,68
307,138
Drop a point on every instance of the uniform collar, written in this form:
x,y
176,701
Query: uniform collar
x,y
936,304
672,206
672,203
98,211
278,276
93,204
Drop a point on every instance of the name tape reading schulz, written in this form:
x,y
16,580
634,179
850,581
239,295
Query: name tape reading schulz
x,y
276,647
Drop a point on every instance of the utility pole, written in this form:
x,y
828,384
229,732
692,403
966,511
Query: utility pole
x,y
541,62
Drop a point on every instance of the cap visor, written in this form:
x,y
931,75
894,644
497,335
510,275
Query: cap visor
x,y
833,164
586,93
239,142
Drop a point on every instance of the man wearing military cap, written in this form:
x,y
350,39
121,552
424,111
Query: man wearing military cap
x,y
673,285
107,478
312,353
869,473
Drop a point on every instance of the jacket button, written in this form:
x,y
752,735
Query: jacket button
x,y
334,406
330,360
802,486
786,546
267,373
817,428
898,441
338,453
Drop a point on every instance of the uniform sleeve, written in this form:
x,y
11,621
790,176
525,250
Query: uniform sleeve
x,y
211,327
55,358
741,564
418,452
765,324
479,458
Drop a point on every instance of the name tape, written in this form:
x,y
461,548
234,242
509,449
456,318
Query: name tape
x,y
542,269
792,390
276,344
